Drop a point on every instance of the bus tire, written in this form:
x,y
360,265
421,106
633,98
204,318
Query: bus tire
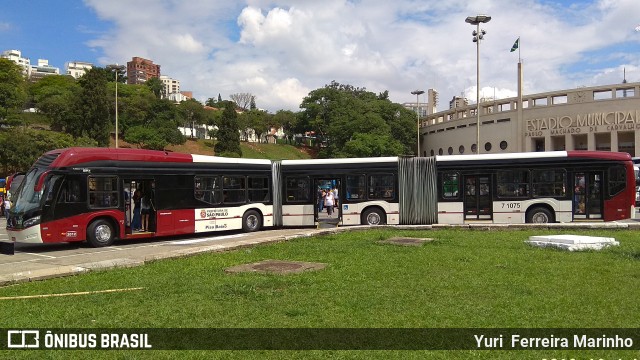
x,y
100,233
373,216
251,221
539,215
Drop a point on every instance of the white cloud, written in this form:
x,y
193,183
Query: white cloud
x,y
279,50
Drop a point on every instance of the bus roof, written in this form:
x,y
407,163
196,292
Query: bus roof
x,y
78,155
604,155
341,161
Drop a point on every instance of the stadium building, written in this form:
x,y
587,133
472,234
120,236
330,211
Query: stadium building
x,y
588,118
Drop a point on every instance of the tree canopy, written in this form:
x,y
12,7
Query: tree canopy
x,y
228,142
12,91
338,113
347,121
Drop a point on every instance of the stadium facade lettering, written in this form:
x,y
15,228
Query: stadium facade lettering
x,y
584,123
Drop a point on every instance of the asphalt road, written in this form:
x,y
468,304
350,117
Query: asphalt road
x,y
41,261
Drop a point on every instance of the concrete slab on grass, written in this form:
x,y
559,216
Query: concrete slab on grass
x,y
573,242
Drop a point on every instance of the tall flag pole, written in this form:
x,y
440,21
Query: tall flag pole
x,y
516,45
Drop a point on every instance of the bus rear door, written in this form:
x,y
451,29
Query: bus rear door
x,y
478,203
587,195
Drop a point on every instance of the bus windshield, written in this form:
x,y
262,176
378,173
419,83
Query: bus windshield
x,y
26,198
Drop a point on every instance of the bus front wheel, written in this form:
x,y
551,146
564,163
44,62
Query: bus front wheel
x,y
100,233
539,215
251,221
373,217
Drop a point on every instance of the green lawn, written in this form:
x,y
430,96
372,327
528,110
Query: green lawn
x,y
464,279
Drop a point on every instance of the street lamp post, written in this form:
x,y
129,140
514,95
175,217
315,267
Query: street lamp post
x,y
477,36
117,69
417,93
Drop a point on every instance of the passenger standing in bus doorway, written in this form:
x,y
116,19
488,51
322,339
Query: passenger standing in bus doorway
x,y
320,196
127,205
135,223
335,196
329,201
145,209
152,207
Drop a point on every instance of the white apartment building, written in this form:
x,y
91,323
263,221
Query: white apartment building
x,y
77,68
177,97
171,86
43,69
16,57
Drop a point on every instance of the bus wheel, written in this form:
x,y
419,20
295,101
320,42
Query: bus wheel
x,y
251,221
100,233
539,215
373,217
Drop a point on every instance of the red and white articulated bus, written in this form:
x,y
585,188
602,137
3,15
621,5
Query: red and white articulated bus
x,y
87,194
79,194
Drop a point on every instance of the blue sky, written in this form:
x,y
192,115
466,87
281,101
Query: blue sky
x,y
280,50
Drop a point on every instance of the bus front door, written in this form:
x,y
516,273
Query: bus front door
x,y
324,214
587,195
478,204
132,208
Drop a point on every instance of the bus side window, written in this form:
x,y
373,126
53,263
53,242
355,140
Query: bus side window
x,y
103,191
72,191
381,186
450,184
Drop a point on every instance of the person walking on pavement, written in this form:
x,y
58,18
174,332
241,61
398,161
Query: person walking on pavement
x,y
7,206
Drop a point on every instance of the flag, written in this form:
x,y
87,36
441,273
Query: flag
x,y
515,45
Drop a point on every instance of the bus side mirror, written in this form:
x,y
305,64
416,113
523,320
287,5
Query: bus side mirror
x,y
40,183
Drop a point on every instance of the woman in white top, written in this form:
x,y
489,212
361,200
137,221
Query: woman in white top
x,y
328,202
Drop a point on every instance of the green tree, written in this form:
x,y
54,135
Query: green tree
x,y
213,102
156,86
22,147
228,137
370,145
337,113
93,108
288,120
257,120
145,138
192,113
12,91
54,96
134,105
158,129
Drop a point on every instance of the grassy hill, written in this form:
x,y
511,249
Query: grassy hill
x,y
249,150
